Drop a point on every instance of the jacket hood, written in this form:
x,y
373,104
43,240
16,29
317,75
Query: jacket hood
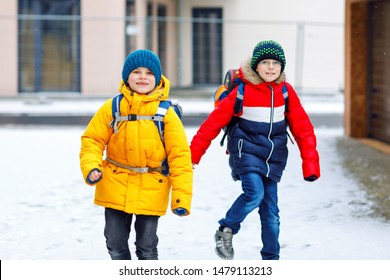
x,y
250,76
161,92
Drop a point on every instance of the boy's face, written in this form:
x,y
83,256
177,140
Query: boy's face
x,y
269,69
142,80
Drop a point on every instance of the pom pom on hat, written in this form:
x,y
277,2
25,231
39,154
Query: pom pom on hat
x,y
268,50
142,58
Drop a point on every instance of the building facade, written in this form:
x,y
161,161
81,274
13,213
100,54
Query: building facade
x,y
77,47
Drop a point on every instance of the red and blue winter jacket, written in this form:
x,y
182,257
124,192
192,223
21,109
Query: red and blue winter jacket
x,y
257,141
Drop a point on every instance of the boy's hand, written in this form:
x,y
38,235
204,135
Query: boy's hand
x,y
94,176
311,178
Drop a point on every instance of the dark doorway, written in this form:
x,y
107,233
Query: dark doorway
x,y
207,46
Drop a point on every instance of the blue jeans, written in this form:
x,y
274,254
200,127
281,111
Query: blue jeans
x,y
262,193
117,232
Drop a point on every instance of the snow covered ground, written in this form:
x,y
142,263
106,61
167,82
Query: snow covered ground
x,y
47,211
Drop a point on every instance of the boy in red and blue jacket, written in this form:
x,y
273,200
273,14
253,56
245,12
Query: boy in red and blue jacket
x,y
257,145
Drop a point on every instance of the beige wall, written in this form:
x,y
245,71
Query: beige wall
x,y
8,48
170,68
172,57
102,46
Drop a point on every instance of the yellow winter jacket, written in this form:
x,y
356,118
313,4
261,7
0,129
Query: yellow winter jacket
x,y
138,144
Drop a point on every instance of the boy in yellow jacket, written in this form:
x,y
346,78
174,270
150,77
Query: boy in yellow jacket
x,y
129,180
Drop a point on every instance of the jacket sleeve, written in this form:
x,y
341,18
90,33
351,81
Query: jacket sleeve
x,y
179,162
303,132
212,126
95,139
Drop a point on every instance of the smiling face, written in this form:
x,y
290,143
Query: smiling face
x,y
142,80
269,69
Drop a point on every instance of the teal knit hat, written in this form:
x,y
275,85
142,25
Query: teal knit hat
x,y
268,50
142,58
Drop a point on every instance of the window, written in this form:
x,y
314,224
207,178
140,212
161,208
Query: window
x,y
49,45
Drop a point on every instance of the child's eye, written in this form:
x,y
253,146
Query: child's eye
x,y
268,63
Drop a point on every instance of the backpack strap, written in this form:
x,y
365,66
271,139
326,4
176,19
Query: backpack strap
x,y
161,112
285,95
158,118
239,99
237,109
115,105
116,111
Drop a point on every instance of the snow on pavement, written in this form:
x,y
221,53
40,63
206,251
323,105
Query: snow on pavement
x,y
333,104
48,211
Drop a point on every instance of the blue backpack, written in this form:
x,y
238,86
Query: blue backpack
x,y
231,81
158,118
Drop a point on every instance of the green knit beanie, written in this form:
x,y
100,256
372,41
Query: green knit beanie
x,y
268,50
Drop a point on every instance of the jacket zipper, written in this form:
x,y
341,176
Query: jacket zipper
x,y
240,144
270,130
